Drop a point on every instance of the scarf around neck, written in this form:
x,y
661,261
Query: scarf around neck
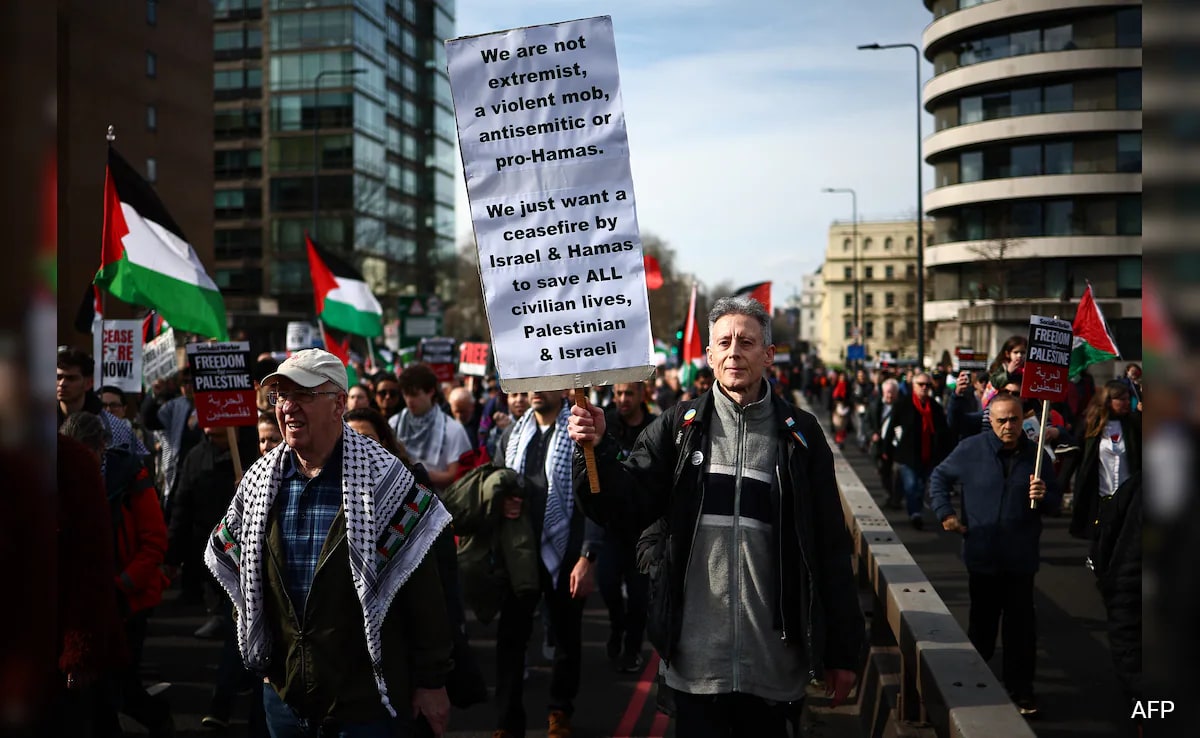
x,y
423,436
927,432
391,523
560,497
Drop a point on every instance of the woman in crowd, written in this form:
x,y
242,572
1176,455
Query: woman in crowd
x,y
358,397
1010,360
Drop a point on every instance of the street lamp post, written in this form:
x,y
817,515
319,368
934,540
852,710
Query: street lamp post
x,y
316,141
854,257
920,204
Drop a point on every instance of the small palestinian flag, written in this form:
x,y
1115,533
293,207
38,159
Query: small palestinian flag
x,y
145,259
342,298
1093,341
760,291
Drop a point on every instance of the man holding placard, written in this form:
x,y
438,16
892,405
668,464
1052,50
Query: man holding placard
x,y
739,627
998,474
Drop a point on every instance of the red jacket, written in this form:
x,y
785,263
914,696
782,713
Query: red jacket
x,y
139,531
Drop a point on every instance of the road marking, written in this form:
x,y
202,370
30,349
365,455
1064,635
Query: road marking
x,y
637,700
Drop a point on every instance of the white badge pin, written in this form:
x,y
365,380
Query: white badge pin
x,y
697,458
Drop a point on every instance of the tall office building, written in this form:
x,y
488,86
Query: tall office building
x,y
1037,154
357,92
143,68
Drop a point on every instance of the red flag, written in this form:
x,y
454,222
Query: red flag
x,y
339,348
760,291
692,350
654,278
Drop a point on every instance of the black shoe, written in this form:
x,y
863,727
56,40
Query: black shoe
x,y
631,663
917,521
614,645
1026,705
215,722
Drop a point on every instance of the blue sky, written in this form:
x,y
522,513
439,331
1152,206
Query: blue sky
x,y
738,114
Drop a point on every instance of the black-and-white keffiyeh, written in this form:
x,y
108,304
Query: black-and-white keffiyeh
x,y
560,499
391,523
423,436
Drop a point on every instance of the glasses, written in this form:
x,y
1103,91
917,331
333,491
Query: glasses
x,y
298,397
112,405
387,393
1008,421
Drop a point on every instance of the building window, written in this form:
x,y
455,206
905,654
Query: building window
x,y
151,118
869,299
848,329
869,328
889,329
869,273
910,328
151,170
889,272
151,64
152,12
908,243
910,299
867,245
846,245
910,271
1129,277
1129,89
1129,28
849,300
848,273
1059,158
1129,152
889,299
887,244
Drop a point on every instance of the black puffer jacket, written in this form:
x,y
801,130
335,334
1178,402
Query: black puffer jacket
x,y
818,605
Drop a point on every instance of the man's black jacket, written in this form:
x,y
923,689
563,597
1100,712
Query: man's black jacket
x,y
818,602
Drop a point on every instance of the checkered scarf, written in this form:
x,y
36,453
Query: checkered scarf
x,y
391,523
560,500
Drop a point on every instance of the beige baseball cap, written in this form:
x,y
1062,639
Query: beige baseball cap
x,y
311,368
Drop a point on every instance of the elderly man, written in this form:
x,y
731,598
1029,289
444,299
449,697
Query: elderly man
x,y
1000,537
756,591
878,422
323,552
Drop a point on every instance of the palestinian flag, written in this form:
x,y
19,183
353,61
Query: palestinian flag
x,y
342,298
1093,341
760,291
146,260
693,351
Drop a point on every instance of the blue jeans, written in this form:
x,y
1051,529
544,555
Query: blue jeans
x,y
913,482
283,722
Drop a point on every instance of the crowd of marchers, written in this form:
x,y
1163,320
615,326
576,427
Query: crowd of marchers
x,y
958,450
339,568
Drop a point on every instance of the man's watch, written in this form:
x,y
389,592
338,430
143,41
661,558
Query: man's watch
x,y
589,555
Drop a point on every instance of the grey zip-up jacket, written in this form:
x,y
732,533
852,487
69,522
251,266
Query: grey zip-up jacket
x,y
813,608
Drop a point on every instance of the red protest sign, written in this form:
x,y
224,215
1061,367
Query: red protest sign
x,y
221,378
473,358
1047,358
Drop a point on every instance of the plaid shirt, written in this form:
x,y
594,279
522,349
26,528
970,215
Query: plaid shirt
x,y
306,511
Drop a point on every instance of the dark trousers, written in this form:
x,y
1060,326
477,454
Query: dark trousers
x,y
626,615
1007,597
731,715
283,722
126,692
512,641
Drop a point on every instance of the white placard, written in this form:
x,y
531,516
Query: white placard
x,y
299,336
158,358
117,348
546,158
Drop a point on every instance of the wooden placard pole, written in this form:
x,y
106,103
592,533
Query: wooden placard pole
x,y
589,452
231,434
1037,464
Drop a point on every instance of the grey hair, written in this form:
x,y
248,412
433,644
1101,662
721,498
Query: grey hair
x,y
890,383
740,306
87,429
